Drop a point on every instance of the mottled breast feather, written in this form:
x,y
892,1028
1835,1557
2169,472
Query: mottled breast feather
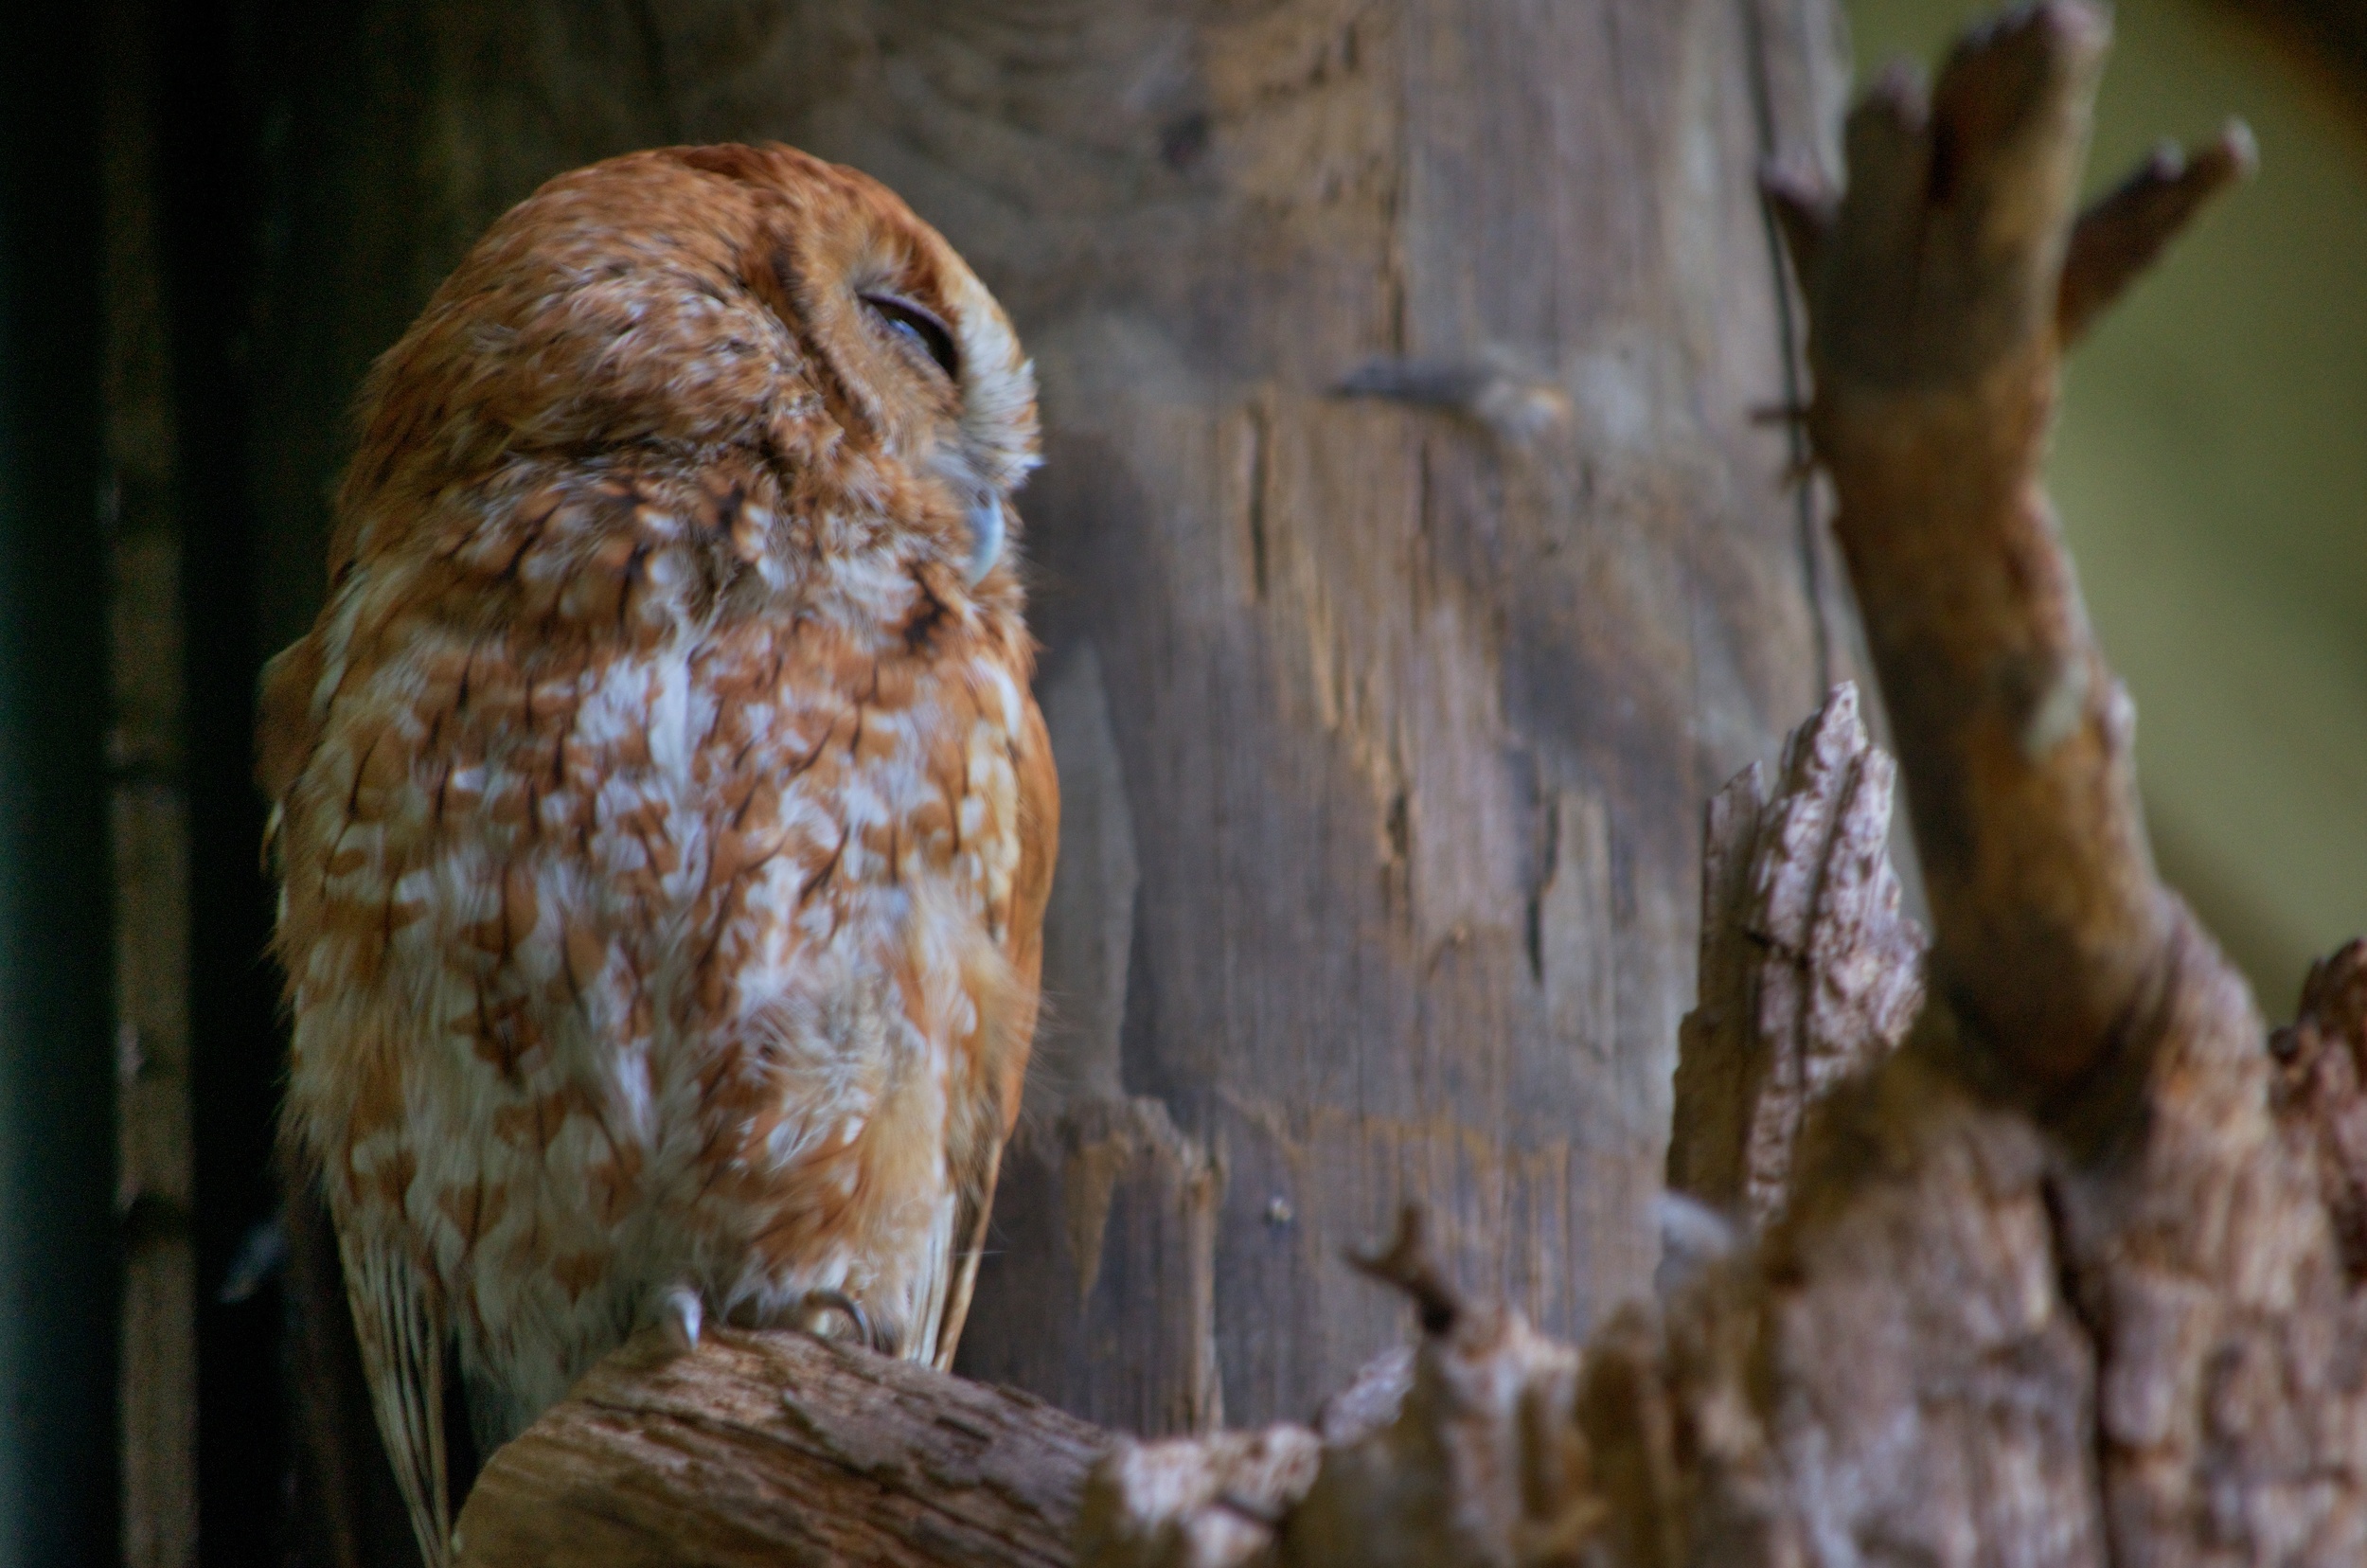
x,y
662,819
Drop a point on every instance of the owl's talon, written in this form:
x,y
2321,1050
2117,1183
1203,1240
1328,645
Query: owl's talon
x,y
839,1301
680,1316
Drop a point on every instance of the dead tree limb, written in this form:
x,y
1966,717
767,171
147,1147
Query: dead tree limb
x,y
1933,292
779,1448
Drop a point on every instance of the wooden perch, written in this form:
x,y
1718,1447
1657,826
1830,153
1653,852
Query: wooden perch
x,y
2069,1276
779,1448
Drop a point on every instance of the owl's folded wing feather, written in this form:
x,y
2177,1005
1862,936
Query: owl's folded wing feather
x,y
399,1320
1023,951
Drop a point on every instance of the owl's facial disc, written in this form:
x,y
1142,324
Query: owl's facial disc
x,y
985,534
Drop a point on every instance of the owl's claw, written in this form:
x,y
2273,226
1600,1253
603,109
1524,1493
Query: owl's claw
x,y
839,1301
681,1317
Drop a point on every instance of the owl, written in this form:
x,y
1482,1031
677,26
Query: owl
x,y
661,820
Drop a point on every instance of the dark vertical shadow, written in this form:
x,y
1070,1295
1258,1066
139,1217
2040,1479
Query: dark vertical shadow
x,y
208,180
58,1253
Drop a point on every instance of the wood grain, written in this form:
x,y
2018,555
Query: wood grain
x,y
776,1448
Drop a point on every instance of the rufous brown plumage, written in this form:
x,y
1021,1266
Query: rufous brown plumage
x,y
662,820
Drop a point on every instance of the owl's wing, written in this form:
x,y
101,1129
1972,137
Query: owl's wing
x,y
1023,950
973,1204
399,1320
397,1316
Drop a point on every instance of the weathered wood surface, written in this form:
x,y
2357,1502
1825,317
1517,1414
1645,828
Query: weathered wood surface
x,y
2063,1281
2063,1234
778,1447
1383,718
1810,972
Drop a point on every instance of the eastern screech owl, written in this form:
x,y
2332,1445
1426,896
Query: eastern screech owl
x,y
661,818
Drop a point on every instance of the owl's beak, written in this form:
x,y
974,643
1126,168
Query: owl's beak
x,y
985,534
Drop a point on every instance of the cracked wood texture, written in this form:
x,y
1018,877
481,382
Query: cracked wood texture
x,y
1809,974
2082,1248
770,1448
1409,564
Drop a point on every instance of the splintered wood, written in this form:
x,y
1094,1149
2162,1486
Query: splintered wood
x,y
2068,1274
1809,974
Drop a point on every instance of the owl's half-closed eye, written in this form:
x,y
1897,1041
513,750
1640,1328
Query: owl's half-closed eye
x,y
920,329
923,336
973,468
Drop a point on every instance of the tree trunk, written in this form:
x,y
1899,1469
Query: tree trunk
x,y
1409,564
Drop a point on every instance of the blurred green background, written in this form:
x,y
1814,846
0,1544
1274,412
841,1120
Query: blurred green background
x,y
2210,469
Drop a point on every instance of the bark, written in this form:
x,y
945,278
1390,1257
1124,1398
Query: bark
x,y
778,1447
2069,1276
2321,1093
1809,974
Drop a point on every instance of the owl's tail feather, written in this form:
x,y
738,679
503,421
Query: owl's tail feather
x,y
398,1318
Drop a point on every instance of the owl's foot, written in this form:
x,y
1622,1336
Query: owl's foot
x,y
867,1332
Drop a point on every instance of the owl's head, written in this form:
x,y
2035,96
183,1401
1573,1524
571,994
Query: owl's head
x,y
670,307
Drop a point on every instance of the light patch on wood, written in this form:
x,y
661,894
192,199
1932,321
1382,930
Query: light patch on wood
x,y
1099,1156
1395,665
1243,440
1573,953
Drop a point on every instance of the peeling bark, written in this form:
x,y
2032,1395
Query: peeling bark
x,y
2321,1093
1809,974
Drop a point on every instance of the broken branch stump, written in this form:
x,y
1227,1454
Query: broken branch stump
x,y
1808,976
